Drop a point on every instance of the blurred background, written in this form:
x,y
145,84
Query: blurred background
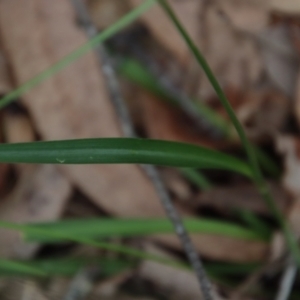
x,y
253,48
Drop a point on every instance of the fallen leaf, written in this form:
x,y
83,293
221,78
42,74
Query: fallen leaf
x,y
106,12
247,197
294,30
278,246
289,147
297,101
17,128
25,289
263,112
280,57
221,248
177,185
109,288
164,30
162,121
40,195
73,103
246,15
234,58
5,82
31,291
291,7
176,283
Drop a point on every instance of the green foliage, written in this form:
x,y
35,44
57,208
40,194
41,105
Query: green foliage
x,y
120,150
107,227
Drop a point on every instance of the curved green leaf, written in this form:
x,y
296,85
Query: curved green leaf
x,y
62,267
106,227
121,150
9,267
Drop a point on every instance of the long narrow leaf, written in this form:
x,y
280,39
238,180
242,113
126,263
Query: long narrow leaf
x,y
103,228
61,267
120,150
250,150
11,268
44,233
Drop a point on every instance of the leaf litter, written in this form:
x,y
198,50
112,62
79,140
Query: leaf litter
x,y
253,49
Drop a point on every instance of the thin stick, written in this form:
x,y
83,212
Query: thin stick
x,y
151,171
287,281
257,174
82,284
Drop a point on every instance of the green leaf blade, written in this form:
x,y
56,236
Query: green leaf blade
x,y
12,268
104,228
121,150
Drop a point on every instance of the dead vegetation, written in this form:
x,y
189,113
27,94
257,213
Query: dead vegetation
x,y
253,48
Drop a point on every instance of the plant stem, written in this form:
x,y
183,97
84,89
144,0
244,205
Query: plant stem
x,y
257,174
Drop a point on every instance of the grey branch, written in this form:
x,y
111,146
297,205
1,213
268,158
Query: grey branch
x,y
287,281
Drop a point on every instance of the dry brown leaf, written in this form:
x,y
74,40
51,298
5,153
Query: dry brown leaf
x,y
263,112
32,292
291,7
17,128
25,289
40,195
246,197
278,246
297,100
246,15
106,12
163,29
4,180
121,296
109,288
165,122
177,283
222,248
233,57
74,103
289,146
5,82
177,185
280,57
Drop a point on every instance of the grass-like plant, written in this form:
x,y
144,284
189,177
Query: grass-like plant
x,y
141,151
253,161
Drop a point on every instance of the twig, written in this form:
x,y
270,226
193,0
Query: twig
x,y
287,281
151,171
82,284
